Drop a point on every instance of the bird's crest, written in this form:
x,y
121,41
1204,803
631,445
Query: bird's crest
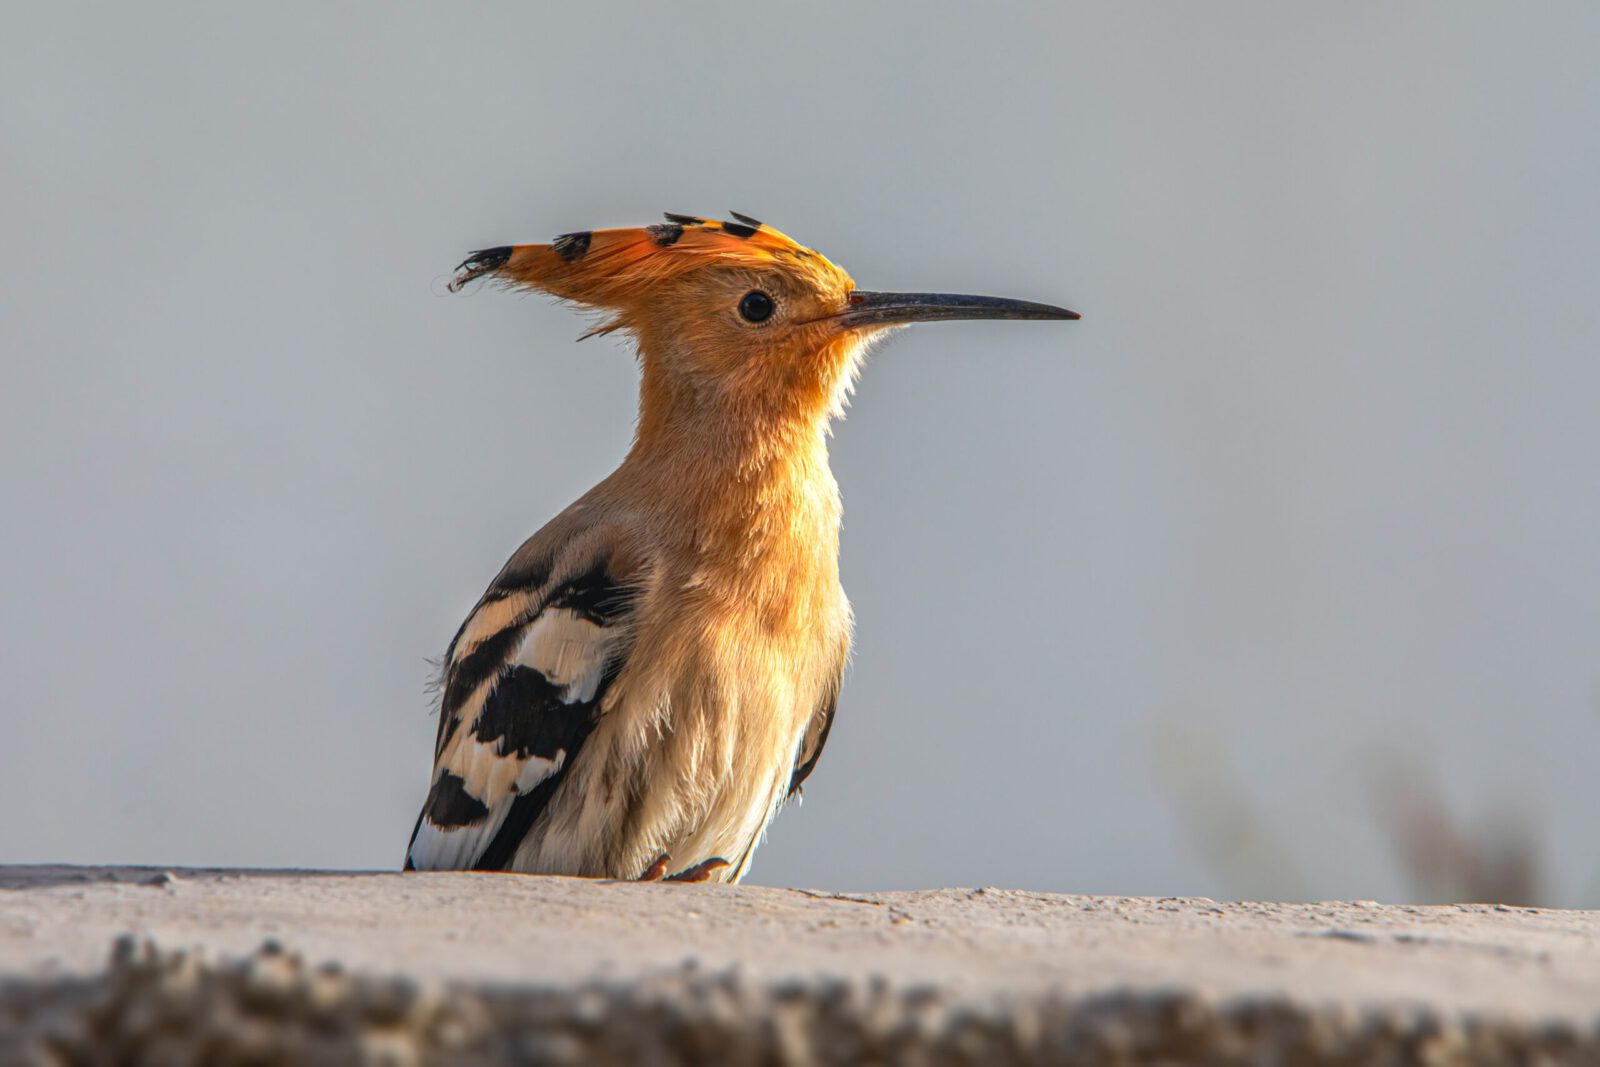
x,y
605,268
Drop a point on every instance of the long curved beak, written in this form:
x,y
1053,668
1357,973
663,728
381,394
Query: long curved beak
x,y
897,309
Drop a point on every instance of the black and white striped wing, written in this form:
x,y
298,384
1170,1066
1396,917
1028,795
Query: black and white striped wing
x,y
524,681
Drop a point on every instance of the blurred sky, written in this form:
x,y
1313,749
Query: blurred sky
x,y
1317,476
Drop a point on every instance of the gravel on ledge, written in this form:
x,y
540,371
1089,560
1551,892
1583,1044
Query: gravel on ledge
x,y
300,967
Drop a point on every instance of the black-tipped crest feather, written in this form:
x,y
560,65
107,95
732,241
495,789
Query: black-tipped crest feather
x,y
484,261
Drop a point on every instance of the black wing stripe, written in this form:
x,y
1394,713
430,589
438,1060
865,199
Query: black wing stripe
x,y
527,715
479,665
526,809
594,596
449,804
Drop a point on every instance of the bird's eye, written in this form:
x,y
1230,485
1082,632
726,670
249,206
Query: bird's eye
x,y
755,306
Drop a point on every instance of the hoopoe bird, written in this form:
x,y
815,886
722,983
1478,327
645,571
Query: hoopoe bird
x,y
655,672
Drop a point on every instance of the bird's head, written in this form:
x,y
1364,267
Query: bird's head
x,y
733,315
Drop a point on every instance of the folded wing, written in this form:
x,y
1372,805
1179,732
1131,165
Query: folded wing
x,y
524,683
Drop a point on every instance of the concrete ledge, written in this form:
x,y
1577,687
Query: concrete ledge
x,y
505,969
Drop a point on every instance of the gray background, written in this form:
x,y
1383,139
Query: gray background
x,y
1142,601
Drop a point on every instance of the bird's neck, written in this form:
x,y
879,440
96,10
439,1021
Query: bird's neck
x,y
743,482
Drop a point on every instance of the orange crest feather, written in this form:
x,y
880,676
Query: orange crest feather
x,y
605,268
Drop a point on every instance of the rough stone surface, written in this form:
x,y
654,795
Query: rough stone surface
x,y
301,967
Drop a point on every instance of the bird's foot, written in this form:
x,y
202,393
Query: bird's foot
x,y
700,872
656,870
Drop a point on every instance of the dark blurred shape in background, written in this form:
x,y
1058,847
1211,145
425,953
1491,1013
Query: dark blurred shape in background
x,y
1495,858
